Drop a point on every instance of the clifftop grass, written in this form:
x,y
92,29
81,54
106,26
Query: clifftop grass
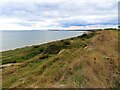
x,y
90,60
52,48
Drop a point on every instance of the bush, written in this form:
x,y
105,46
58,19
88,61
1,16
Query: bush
x,y
53,49
37,46
87,36
110,29
41,49
44,56
66,42
8,61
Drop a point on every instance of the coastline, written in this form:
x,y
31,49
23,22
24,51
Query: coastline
x,y
38,43
77,59
28,45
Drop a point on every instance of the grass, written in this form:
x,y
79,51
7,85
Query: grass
x,y
72,62
87,36
27,53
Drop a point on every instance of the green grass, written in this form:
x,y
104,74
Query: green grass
x,y
87,36
61,63
23,54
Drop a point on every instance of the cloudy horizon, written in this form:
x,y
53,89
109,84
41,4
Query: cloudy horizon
x,y
58,14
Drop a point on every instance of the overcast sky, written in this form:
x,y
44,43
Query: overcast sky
x,y
57,14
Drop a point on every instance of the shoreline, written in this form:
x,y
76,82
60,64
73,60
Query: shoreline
x,y
64,58
29,45
39,43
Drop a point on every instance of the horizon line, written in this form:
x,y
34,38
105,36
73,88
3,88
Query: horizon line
x,y
58,29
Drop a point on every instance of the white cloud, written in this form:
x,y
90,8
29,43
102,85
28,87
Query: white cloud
x,y
12,24
38,14
6,20
13,27
28,1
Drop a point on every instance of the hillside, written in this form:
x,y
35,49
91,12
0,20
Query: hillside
x,y
87,61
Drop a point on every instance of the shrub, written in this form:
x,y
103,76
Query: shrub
x,y
110,29
66,42
41,49
53,49
44,56
87,36
8,61
37,46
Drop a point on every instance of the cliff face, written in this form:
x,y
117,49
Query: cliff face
x,y
89,61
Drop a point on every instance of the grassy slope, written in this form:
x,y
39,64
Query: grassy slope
x,y
90,60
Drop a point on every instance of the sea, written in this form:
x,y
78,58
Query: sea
x,y
20,38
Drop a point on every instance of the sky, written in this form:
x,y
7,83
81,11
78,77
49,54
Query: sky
x,y
58,14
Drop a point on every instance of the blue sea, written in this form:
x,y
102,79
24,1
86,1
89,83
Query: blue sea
x,y
16,39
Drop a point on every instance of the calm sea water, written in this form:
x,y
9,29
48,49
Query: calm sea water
x,y
14,39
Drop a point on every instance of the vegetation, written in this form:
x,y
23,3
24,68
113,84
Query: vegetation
x,y
86,36
89,60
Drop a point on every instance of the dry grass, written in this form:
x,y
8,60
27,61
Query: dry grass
x,y
90,62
